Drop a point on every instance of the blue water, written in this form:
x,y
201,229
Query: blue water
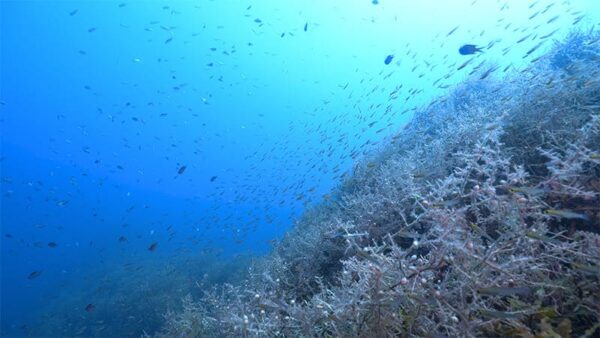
x,y
267,104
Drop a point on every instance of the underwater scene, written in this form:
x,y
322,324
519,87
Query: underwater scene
x,y
300,168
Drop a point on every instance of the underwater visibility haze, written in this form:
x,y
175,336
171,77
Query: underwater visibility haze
x,y
258,168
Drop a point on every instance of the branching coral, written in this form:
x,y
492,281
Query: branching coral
x,y
481,218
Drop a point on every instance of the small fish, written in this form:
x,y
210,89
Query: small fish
x,y
73,12
168,40
553,19
480,231
52,244
529,191
534,15
488,72
153,246
122,239
524,38
306,26
181,170
465,64
91,30
34,274
535,235
447,204
469,49
90,307
505,291
592,270
577,19
452,31
257,20
548,35
533,49
568,214
374,2
388,59
212,179
502,314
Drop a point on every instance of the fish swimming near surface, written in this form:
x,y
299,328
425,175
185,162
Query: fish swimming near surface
x,y
469,49
452,30
388,59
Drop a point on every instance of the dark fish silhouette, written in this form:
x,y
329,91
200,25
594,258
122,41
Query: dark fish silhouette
x,y
90,307
469,49
34,274
388,59
306,26
153,246
452,31
181,170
